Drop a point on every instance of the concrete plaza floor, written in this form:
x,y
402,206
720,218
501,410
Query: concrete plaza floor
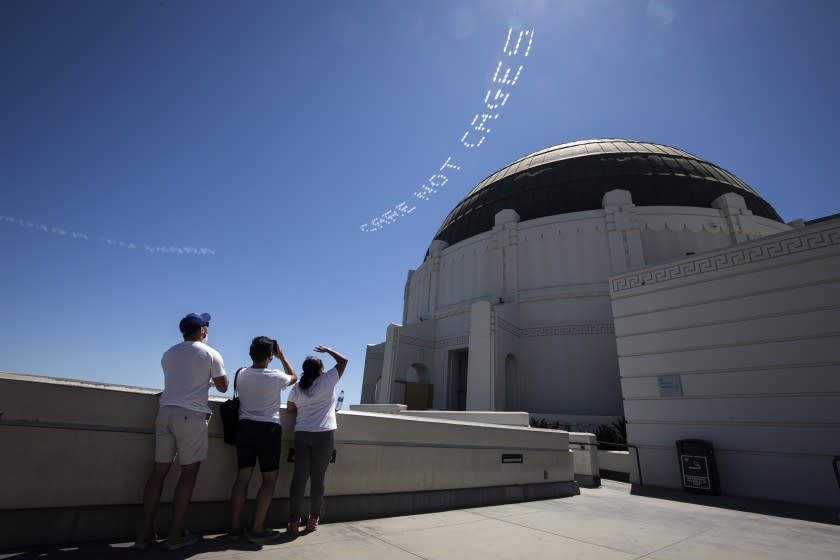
x,y
613,522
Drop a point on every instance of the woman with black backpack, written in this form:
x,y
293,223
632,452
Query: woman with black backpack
x,y
258,433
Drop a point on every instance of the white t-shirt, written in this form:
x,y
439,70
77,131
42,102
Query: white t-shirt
x,y
316,405
187,369
259,393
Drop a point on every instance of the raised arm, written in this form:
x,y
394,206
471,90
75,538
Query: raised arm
x,y
340,361
287,367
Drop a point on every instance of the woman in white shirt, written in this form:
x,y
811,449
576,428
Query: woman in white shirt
x,y
258,432
313,402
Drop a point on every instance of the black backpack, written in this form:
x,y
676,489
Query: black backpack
x,y
229,410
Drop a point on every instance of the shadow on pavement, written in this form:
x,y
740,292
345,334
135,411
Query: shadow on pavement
x,y
830,516
122,550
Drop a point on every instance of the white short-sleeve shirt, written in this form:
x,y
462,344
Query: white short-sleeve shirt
x,y
188,368
316,405
259,393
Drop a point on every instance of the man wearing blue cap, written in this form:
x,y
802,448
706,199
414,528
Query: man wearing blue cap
x,y
189,367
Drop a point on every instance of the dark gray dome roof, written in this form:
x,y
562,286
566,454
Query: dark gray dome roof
x,y
574,177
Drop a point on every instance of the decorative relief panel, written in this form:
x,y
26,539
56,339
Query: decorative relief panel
x,y
432,345
566,330
415,341
453,341
508,327
595,289
728,259
555,330
544,330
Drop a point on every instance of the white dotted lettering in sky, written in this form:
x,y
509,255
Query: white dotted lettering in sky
x,y
504,79
170,249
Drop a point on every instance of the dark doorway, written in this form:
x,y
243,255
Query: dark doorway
x,y
458,364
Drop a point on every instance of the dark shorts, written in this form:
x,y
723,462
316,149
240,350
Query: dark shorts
x,y
258,439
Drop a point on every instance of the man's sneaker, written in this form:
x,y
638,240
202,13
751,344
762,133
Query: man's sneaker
x,y
312,523
294,527
184,540
263,536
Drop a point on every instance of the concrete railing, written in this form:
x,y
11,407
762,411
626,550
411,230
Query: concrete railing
x,y
582,444
79,454
585,452
479,416
619,462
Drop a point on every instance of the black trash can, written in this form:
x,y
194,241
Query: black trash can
x,y
698,469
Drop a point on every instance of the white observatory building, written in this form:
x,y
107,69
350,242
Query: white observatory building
x,y
510,308
603,279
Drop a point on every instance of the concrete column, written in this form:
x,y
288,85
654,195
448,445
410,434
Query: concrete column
x,y
389,364
407,297
506,229
373,371
623,231
480,372
435,251
733,208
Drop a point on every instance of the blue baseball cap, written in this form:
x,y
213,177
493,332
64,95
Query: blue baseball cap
x,y
193,321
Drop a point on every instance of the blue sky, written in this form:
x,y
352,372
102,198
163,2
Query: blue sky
x,y
245,143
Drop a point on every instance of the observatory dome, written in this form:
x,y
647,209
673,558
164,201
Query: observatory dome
x,y
574,177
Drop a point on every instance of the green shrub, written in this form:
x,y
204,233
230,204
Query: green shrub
x,y
612,436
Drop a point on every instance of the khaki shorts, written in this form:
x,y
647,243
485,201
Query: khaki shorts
x,y
181,432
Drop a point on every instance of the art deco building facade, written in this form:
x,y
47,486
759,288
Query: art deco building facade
x,y
613,278
510,309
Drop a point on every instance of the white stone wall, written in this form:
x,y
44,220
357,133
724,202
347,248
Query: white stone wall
x,y
84,444
751,333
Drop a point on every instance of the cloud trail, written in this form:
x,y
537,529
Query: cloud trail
x,y
61,232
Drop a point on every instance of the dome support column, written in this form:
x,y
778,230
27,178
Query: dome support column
x,y
389,364
733,208
623,231
481,368
506,229
435,252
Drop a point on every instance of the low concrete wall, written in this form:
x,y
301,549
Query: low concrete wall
x,y
619,465
616,461
379,408
482,417
82,452
585,452
498,418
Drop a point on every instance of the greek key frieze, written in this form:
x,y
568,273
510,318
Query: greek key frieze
x,y
736,256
